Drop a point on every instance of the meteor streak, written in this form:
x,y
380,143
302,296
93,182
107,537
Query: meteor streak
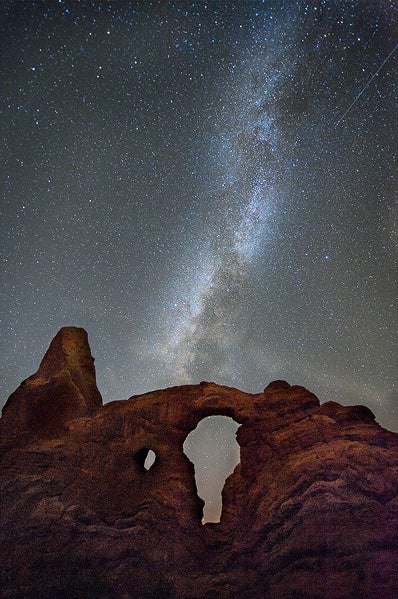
x,y
366,85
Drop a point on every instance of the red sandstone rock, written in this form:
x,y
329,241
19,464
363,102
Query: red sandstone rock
x,y
310,512
63,388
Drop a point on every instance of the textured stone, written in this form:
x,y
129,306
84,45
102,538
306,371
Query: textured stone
x,y
311,511
63,388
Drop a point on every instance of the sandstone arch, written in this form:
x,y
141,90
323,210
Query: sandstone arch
x,y
310,509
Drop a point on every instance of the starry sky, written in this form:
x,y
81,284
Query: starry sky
x,y
208,188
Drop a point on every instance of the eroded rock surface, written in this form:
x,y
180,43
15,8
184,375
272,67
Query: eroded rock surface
x,y
310,512
63,388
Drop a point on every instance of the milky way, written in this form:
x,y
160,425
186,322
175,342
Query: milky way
x,y
192,183
204,327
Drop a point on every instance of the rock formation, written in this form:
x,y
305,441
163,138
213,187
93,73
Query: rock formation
x,y
310,512
63,388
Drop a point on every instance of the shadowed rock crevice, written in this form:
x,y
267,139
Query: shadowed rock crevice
x,y
311,509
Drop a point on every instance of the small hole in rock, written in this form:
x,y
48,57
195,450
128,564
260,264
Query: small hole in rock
x,y
145,458
150,459
214,451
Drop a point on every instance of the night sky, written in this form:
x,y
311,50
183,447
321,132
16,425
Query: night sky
x,y
208,188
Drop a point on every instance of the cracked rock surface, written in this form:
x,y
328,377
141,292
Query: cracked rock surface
x,y
310,512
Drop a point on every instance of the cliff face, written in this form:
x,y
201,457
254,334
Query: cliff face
x,y
310,512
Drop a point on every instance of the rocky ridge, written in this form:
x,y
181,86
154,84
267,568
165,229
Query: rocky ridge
x,y
310,512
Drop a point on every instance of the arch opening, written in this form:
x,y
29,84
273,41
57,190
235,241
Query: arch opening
x,y
214,452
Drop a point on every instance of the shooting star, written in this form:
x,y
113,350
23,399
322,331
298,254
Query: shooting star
x,y
337,123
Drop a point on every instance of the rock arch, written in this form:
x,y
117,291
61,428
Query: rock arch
x,y
310,507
